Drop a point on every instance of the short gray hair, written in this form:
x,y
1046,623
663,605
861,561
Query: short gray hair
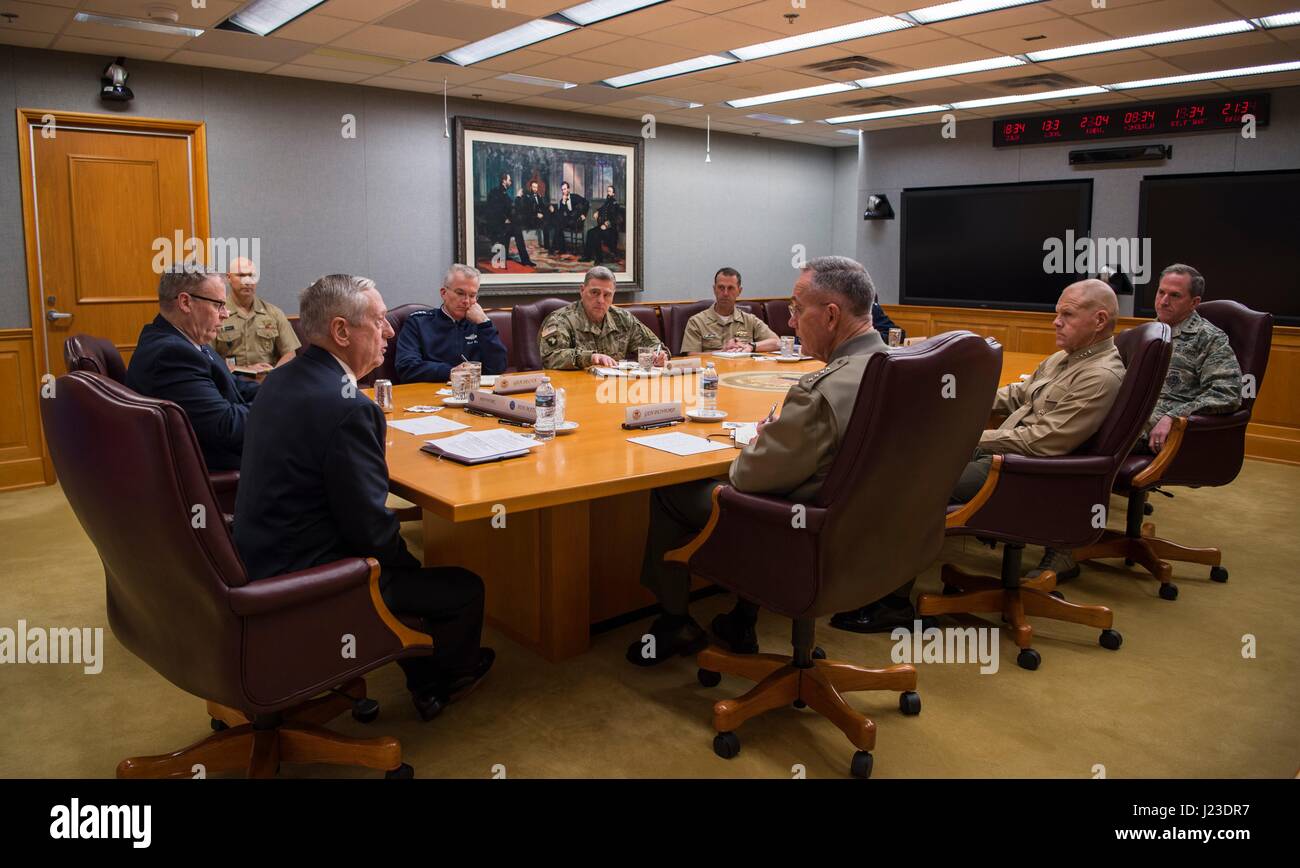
x,y
186,277
331,296
846,278
459,268
599,272
1197,279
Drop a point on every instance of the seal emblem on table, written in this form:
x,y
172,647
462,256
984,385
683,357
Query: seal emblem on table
x,y
760,381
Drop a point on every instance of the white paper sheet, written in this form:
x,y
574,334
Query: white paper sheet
x,y
485,444
677,443
427,425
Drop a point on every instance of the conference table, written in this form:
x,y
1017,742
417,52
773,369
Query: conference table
x,y
558,535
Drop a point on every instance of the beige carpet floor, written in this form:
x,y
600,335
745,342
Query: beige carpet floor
x,y
1178,700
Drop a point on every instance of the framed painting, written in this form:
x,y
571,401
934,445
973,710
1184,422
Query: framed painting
x,y
536,207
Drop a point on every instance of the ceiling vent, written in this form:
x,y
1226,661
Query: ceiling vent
x,y
876,102
1043,81
856,63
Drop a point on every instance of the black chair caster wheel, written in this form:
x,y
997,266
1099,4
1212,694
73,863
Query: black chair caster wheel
x,y
726,744
1057,594
799,703
1128,562
909,702
404,772
219,725
1147,509
1110,639
861,765
1169,591
709,678
1218,574
818,653
1029,659
365,711
950,590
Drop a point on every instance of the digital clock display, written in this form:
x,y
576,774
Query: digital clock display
x,y
1185,116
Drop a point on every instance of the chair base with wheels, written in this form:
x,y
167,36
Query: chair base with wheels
x,y
1138,544
806,679
296,735
1016,599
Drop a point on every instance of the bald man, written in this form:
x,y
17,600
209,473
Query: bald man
x,y
1050,414
258,334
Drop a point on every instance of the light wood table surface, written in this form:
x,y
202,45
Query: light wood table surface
x,y
558,536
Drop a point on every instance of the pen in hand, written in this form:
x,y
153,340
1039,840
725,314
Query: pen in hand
x,y
771,414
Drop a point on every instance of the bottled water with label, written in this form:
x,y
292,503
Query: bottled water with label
x,y
544,427
709,389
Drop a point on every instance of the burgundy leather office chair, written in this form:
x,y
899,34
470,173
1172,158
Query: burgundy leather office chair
x,y
777,314
803,561
100,356
649,316
388,370
1056,502
502,320
527,324
1200,450
84,352
266,654
676,316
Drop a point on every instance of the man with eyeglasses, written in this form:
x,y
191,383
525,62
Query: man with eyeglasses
x,y
434,341
173,361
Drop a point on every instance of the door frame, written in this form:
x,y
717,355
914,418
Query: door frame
x,y
31,121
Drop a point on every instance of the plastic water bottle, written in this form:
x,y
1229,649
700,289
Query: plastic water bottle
x,y
561,397
544,427
709,389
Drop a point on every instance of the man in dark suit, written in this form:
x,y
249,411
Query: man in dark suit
x,y
501,222
173,361
570,213
608,221
314,482
531,207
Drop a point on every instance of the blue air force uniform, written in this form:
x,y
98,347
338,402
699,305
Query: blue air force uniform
x,y
432,343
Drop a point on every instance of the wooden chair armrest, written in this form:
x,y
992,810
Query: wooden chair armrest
x,y
1153,472
683,555
408,637
960,517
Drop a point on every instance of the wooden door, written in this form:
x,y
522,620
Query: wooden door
x,y
107,200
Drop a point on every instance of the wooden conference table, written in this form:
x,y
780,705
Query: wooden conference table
x,y
558,536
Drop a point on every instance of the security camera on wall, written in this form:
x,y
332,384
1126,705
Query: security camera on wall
x,y
113,83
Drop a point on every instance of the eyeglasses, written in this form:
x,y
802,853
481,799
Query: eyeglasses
x,y
213,301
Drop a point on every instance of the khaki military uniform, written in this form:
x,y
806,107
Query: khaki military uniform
x,y
1060,406
791,459
1204,376
709,330
568,339
261,335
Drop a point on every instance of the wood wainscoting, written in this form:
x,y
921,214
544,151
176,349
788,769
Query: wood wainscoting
x,y
1274,432
23,461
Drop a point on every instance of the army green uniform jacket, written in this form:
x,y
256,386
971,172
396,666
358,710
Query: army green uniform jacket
x,y
1203,377
793,455
568,338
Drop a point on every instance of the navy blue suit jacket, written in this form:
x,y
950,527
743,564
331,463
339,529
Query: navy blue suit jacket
x,y
167,365
881,322
432,343
314,480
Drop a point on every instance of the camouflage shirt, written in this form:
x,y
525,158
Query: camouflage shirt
x,y
568,338
1203,377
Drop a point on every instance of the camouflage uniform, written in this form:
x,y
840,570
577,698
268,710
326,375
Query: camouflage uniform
x,y
569,339
1203,377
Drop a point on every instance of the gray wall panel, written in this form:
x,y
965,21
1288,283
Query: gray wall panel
x,y
13,256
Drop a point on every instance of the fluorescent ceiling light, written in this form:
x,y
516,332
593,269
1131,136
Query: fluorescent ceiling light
x,y
138,24
801,93
856,30
508,40
1029,97
1286,19
1204,76
264,16
539,82
599,10
681,67
776,119
892,113
667,100
962,8
1167,36
941,71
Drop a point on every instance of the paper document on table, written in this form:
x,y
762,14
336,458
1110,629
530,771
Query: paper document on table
x,y
427,425
728,354
601,371
678,443
744,433
483,445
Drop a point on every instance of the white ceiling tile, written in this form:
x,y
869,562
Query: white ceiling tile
x,y
316,28
361,10
378,39
34,16
318,73
104,47
200,58
212,14
26,38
